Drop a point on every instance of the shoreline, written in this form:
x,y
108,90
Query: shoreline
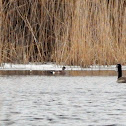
x,y
67,73
44,70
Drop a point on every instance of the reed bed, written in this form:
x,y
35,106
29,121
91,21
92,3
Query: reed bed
x,y
72,32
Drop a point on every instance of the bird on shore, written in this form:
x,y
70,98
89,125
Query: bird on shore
x,y
120,79
59,72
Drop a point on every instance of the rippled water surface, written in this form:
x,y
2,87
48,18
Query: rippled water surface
x,y
61,101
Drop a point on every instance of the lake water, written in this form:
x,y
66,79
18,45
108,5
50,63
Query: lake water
x,y
62,101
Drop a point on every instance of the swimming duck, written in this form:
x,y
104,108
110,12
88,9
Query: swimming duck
x,y
61,72
120,78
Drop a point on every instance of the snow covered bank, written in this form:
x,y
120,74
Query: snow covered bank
x,y
51,66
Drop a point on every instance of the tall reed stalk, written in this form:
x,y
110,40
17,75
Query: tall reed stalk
x,y
72,32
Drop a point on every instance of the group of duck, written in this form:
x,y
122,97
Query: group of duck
x,y
120,79
61,72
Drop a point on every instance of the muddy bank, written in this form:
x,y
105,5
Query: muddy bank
x,y
66,73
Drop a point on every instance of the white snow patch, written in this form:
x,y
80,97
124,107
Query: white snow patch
x,y
51,66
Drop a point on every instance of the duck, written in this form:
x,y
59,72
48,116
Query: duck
x,y
120,79
60,72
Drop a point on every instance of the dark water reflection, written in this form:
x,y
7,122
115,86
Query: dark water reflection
x,y
67,73
62,101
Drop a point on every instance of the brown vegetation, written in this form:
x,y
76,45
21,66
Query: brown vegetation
x,y
73,32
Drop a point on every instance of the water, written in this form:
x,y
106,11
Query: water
x,y
61,101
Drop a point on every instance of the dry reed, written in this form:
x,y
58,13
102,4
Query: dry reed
x,y
72,32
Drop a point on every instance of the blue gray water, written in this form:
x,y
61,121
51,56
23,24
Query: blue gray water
x,y
61,101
